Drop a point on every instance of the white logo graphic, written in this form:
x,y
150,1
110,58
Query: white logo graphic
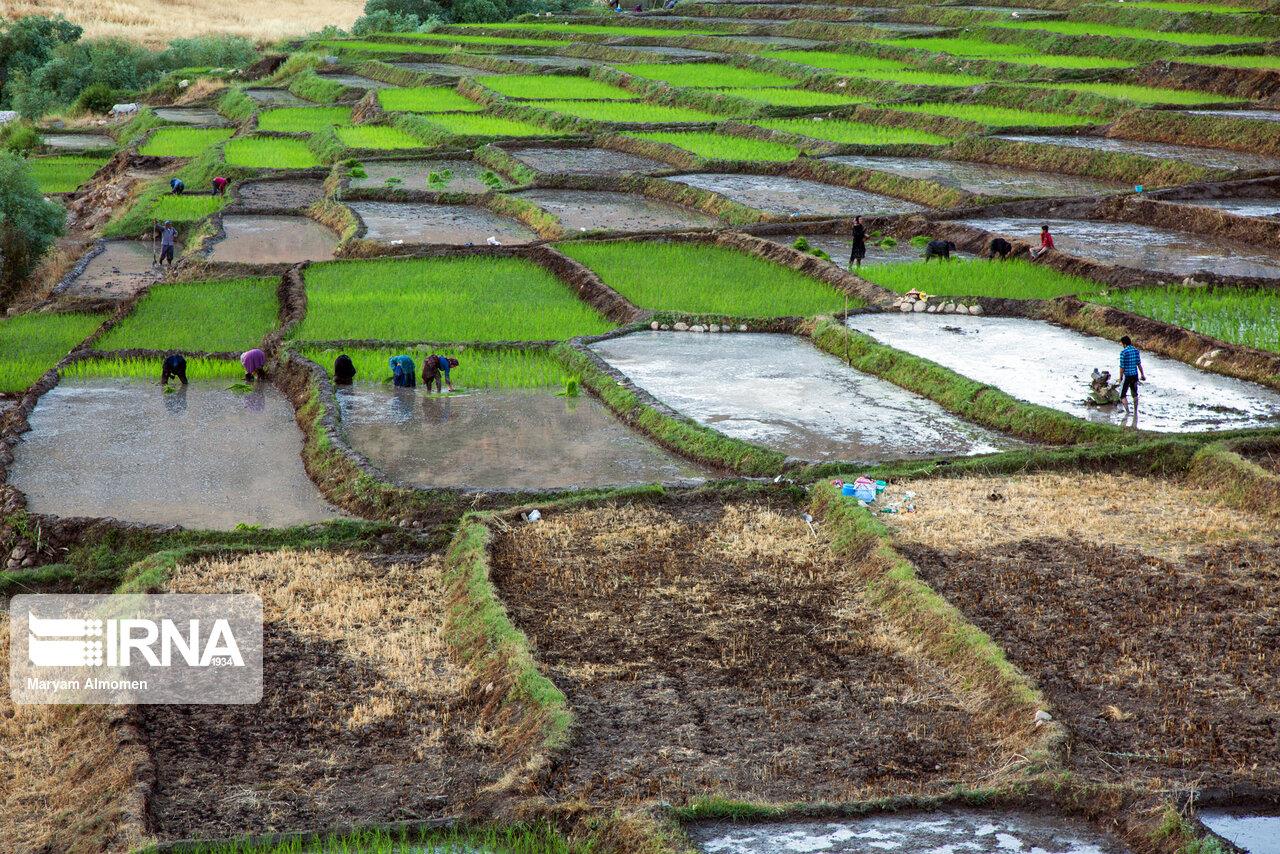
x,y
48,644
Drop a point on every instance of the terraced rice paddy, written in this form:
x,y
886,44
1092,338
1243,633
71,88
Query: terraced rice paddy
x,y
1213,158
1250,318
626,113
303,119
719,146
484,125
587,161
457,225
1232,61
852,133
464,299
1145,94
1090,28
984,178
453,176
225,316
119,271
33,343
273,239
378,137
998,117
833,61
777,97
185,208
559,87
262,152
600,210
62,173
183,142
484,368
708,75
783,196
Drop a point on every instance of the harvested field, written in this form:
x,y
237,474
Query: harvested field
x,y
359,719
653,620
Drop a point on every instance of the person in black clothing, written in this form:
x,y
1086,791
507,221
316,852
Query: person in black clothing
x,y
859,249
343,370
174,366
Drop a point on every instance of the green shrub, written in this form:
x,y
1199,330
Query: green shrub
x,y
97,98
28,224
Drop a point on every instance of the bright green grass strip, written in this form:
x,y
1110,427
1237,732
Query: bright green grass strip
x,y
303,119
852,133
611,111
485,125
704,279
1270,61
1189,7
31,344
198,368
708,75
1143,94
473,298
589,29
426,99
452,39
1250,318
183,142
556,87
1089,28
1067,60
227,316
186,208
476,368
499,839
978,278
378,136
923,78
718,146
993,116
63,173
787,97
832,61
359,46
961,47
264,152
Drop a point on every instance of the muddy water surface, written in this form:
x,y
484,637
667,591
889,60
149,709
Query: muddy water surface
x,y
273,240
1211,158
1051,366
276,98
985,179
664,50
291,193
509,439
838,247
77,141
202,457
941,832
204,117
1257,834
1260,115
441,69
413,222
587,161
782,392
1242,207
355,81
547,61
413,175
778,194
775,41
1143,247
589,210
122,269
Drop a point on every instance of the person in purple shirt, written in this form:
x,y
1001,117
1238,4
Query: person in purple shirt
x,y
254,363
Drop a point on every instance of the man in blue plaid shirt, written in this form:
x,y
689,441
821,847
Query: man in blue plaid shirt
x,y
1131,371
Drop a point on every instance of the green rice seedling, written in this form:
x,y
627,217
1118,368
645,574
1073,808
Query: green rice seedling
x,y
852,133
1266,61
590,29
708,75
991,116
492,179
1090,28
960,47
426,99
186,208
476,368
788,97
1067,60
225,316
922,78
1247,317
198,368
484,125
363,46
450,38
1215,8
718,146
63,173
266,152
547,87
497,839
183,142
832,61
378,136
801,244
1143,94
474,298
303,119
439,180
627,112
977,278
31,344
701,278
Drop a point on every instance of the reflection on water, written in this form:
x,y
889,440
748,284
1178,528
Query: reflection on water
x,y
585,210
1211,158
416,222
983,178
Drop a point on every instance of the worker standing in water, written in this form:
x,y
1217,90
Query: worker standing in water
x,y
344,370
168,237
403,372
859,249
1131,370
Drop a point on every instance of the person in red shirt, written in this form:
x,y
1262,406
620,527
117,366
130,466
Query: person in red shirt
x,y
1046,242
219,186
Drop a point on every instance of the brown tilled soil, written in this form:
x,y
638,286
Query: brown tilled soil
x,y
1165,669
359,719
707,648
1269,460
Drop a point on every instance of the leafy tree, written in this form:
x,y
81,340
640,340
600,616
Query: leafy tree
x,y
29,225
28,43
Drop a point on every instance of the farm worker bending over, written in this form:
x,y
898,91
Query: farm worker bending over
x,y
177,187
343,370
254,363
1131,370
436,366
219,186
402,372
168,235
1046,242
174,366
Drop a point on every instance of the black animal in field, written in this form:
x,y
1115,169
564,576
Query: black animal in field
x,y
940,249
999,248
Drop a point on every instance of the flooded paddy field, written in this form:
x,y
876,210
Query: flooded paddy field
x,y
1249,830
1142,247
521,439
1144,609
1211,158
1051,366
464,175
123,268
291,193
838,246
782,392
1242,207
442,69
667,51
773,41
201,457
262,239
590,210
77,141
587,161
951,830
1258,115
204,117
650,617
271,97
355,81
548,61
459,225
778,194
985,179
